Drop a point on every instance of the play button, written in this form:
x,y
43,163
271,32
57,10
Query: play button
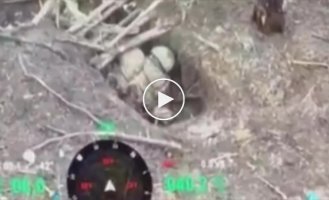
x,y
160,104
163,99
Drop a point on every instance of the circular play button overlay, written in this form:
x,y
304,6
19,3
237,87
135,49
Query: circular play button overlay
x,y
157,102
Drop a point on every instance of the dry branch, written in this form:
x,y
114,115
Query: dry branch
x,y
83,43
207,42
161,143
324,39
118,136
108,57
53,92
309,63
73,7
134,23
144,37
93,14
101,18
130,17
273,188
46,8
118,29
14,1
8,37
111,29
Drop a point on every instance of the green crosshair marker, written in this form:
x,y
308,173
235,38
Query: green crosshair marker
x,y
312,196
107,127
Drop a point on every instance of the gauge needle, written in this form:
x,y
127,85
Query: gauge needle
x,y
110,191
109,186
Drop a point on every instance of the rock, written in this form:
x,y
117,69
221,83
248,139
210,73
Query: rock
x,y
131,62
162,112
165,56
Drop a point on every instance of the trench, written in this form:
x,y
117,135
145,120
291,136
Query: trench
x,y
189,79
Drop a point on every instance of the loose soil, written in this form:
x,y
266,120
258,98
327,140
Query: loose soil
x,y
271,114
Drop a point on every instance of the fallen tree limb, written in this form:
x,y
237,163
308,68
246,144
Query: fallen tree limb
x,y
111,29
134,31
82,43
56,94
108,57
144,37
8,37
118,136
134,23
46,8
272,187
324,39
130,17
101,18
93,14
73,8
95,119
207,42
310,63
14,1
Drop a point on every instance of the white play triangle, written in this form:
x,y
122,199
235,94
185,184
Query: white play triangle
x,y
163,99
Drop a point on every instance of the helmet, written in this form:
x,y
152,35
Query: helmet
x,y
165,56
131,62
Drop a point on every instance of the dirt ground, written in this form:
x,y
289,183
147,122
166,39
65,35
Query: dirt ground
x,y
266,119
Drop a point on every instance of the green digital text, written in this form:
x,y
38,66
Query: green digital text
x,y
23,186
198,185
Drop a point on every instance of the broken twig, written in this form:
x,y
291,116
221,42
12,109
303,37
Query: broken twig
x,y
207,42
144,37
121,136
134,31
111,29
82,43
134,23
9,37
53,92
93,14
14,1
46,8
309,63
272,187
73,8
108,57
102,17
321,38
130,17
